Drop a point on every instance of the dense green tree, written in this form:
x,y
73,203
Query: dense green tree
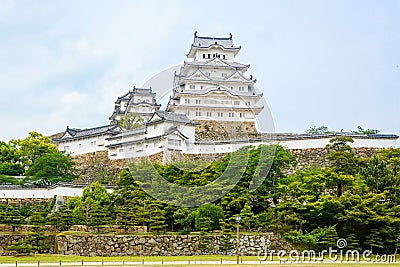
x,y
51,168
62,218
208,217
33,147
93,208
10,163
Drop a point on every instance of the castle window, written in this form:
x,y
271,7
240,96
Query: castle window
x,y
220,114
204,55
231,87
223,56
121,150
187,101
236,103
187,113
231,115
174,142
198,101
198,113
192,86
241,115
80,145
209,55
201,86
208,114
241,88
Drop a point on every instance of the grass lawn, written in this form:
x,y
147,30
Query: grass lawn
x,y
182,260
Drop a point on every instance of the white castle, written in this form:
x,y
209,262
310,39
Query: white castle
x,y
210,92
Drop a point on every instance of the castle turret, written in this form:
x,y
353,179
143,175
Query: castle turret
x,y
140,101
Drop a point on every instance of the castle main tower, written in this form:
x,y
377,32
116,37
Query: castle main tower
x,y
212,86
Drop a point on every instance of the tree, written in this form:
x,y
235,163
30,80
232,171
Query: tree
x,y
33,147
35,241
131,121
184,217
93,208
247,217
51,168
208,217
9,160
318,130
361,130
61,218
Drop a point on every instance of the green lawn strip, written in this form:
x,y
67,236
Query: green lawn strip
x,y
73,258
184,259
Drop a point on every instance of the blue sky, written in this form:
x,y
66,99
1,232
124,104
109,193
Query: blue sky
x,y
333,63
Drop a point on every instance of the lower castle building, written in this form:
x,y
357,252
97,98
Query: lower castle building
x,y
212,110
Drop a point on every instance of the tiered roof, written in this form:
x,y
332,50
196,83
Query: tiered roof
x,y
207,42
73,133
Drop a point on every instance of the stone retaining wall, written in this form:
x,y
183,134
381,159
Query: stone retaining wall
x,y
167,245
152,245
7,240
315,157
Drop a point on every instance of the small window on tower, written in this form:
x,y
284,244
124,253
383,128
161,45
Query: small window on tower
x,y
209,55
204,55
223,56
192,86
201,86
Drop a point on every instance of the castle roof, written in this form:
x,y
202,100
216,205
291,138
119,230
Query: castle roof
x,y
169,116
135,91
71,133
216,62
207,42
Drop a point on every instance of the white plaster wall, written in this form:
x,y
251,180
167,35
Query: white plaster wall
x,y
84,145
43,192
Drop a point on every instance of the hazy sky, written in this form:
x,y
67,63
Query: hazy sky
x,y
333,63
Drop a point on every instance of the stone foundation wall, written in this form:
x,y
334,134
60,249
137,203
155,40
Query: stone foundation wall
x,y
7,240
315,157
224,130
97,166
153,245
